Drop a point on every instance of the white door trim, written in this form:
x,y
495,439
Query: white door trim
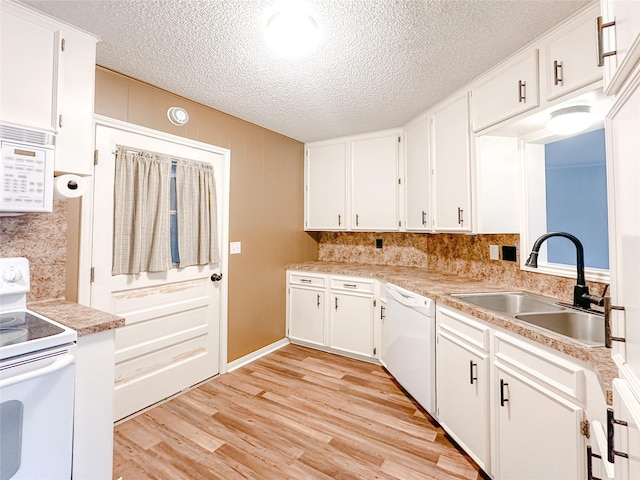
x,y
86,224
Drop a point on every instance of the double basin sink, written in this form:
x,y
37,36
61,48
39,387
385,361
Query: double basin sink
x,y
587,328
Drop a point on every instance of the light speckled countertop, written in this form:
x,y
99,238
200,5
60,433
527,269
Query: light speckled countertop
x,y
439,286
84,320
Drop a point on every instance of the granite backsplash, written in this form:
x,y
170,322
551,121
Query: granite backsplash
x,y
42,238
466,255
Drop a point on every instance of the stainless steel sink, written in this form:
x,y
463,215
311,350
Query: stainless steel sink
x,y
585,327
511,303
543,312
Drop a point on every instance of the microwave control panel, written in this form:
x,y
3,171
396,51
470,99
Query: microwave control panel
x,y
26,178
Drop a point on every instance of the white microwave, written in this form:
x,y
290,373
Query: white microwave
x,y
26,170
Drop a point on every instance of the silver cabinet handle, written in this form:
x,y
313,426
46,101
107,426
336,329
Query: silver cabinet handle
x,y
305,280
60,121
349,285
522,91
608,338
382,309
557,71
336,303
318,304
460,219
600,26
357,220
339,220
424,218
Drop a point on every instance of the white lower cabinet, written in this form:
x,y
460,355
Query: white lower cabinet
x,y
624,425
537,432
333,313
306,307
463,380
520,410
352,323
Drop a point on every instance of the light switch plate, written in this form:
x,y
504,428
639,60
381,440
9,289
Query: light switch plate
x,y
235,248
494,253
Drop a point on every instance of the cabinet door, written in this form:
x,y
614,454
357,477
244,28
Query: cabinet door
x,y
29,53
352,323
624,38
326,187
451,165
74,141
374,193
538,432
511,90
463,395
306,315
571,59
626,437
417,176
623,149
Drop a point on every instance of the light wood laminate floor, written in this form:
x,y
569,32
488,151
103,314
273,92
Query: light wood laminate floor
x,y
294,414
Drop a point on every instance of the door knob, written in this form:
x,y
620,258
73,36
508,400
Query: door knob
x,y
216,277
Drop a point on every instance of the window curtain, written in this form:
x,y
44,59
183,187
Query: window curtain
x,y
141,241
197,213
142,226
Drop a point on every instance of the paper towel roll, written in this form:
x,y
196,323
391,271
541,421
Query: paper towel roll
x,y
69,186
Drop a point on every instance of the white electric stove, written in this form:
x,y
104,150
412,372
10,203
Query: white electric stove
x,y
37,381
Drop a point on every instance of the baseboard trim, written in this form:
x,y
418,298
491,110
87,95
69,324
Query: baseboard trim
x,y
253,356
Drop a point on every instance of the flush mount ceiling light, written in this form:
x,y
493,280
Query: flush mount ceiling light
x,y
291,30
570,120
178,116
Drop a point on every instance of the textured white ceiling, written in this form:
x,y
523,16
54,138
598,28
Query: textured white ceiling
x,y
380,64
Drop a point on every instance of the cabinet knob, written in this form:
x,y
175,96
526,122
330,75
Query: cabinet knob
x,y
216,277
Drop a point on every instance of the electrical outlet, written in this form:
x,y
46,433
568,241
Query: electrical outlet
x,y
510,254
378,243
494,253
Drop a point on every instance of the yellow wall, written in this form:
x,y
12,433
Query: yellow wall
x,y
266,201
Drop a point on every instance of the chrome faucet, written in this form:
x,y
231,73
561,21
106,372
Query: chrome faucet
x,y
581,297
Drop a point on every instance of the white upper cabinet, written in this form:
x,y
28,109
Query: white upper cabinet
x,y
570,56
48,81
417,176
352,183
326,186
74,141
451,163
29,53
375,182
620,33
506,92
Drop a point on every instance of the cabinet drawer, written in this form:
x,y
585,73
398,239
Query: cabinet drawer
x,y
307,279
352,284
555,372
463,327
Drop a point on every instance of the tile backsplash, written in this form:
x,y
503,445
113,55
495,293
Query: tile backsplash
x,y
465,255
42,238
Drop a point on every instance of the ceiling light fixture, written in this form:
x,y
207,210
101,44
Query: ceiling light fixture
x,y
570,120
178,116
291,30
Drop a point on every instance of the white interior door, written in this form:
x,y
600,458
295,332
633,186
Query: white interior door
x,y
175,330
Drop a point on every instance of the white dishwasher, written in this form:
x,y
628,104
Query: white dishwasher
x,y
408,344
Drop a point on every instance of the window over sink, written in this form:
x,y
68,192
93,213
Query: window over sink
x,y
566,190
